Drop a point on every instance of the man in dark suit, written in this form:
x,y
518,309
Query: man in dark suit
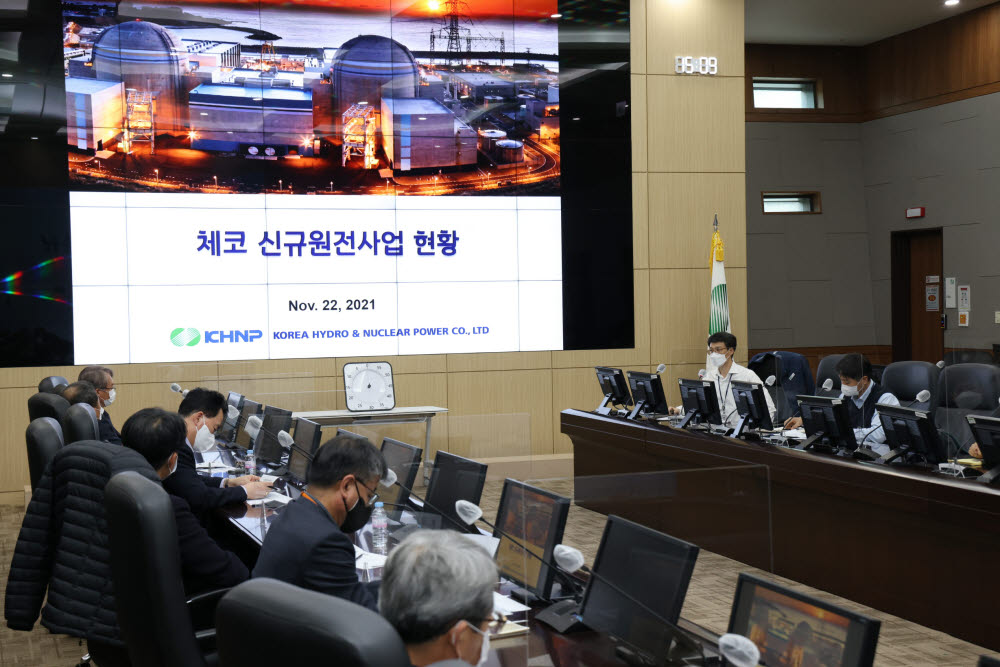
x,y
154,433
103,379
307,544
203,411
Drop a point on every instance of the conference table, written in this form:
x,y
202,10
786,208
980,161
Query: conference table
x,y
248,526
902,539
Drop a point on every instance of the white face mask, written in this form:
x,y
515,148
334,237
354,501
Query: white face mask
x,y
848,391
717,359
203,439
111,397
484,650
173,468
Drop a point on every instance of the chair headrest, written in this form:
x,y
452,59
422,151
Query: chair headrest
x,y
80,423
906,379
51,383
969,386
47,405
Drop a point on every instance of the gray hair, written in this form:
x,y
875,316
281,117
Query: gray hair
x,y
434,579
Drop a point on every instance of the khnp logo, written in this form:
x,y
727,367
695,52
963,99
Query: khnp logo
x,y
181,337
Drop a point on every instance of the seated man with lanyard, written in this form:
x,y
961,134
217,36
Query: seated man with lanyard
x,y
307,544
722,370
865,395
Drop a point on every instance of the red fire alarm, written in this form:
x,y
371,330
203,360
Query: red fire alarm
x,y
917,212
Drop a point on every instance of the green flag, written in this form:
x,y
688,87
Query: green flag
x,y
718,316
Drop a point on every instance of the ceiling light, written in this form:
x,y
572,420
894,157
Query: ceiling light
x,y
950,3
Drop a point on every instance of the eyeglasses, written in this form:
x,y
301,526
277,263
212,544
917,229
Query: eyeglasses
x,y
371,500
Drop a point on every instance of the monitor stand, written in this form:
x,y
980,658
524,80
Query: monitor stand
x,y
744,423
639,405
562,616
990,476
811,441
692,415
604,408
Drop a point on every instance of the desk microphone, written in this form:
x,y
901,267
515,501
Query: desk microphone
x,y
922,397
571,560
390,479
701,374
827,385
661,368
176,388
470,513
252,427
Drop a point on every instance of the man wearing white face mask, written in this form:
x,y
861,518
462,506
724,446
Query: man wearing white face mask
x,y
865,395
437,591
204,411
103,379
723,370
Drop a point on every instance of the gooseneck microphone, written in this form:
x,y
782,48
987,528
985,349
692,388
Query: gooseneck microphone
x,y
570,560
176,388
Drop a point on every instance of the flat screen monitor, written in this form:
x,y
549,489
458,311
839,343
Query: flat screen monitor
x,y
404,460
827,425
454,478
615,389
700,401
912,435
307,435
647,392
751,404
350,434
986,431
227,431
650,567
298,465
791,628
249,409
266,447
536,518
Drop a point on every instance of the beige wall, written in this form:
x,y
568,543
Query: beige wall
x,y
688,164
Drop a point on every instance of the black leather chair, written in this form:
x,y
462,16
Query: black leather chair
x,y
44,438
50,384
302,627
965,389
827,370
987,661
968,357
153,616
906,379
769,365
44,404
80,423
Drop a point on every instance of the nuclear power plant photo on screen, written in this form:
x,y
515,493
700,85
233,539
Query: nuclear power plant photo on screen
x,y
431,97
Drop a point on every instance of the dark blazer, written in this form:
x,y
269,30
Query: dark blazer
x,y
106,431
201,492
205,565
304,546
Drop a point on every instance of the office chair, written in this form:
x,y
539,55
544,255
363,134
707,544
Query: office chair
x,y
153,616
968,357
878,370
44,404
827,370
80,423
965,389
987,661
765,365
302,627
906,379
44,438
50,384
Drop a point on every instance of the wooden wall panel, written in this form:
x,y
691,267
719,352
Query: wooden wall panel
x,y
507,405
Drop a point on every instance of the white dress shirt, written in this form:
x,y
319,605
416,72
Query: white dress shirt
x,y
873,435
724,390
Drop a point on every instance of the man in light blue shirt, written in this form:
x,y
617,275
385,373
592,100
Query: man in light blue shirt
x,y
862,396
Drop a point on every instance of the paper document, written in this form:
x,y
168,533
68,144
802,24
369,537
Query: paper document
x,y
272,497
506,606
213,466
794,434
364,560
487,542
268,479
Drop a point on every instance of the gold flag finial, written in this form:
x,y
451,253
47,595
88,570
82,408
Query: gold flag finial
x,y
718,247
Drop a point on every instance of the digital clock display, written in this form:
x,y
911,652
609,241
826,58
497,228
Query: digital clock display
x,y
707,65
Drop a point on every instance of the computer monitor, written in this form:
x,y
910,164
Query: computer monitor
x,y
647,566
404,460
249,409
350,434
454,478
307,435
701,403
536,518
266,447
647,392
791,628
912,435
827,424
227,431
751,404
615,389
298,466
986,431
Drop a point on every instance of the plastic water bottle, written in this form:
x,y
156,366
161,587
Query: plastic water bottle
x,y
251,463
380,530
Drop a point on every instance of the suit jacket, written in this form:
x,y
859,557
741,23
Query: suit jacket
x,y
304,546
205,565
106,431
202,493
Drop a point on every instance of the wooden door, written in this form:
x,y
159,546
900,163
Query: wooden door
x,y
916,330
